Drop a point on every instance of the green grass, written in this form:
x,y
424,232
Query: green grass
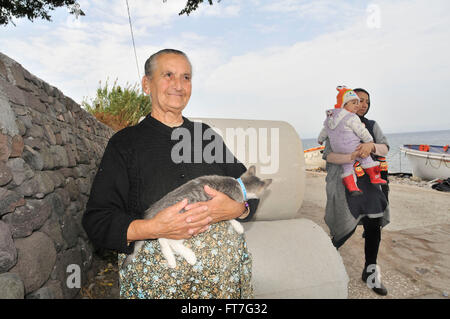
x,y
118,107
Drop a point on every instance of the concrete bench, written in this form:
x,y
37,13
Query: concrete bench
x,y
292,257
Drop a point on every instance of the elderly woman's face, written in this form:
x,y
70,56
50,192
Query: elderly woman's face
x,y
170,85
363,103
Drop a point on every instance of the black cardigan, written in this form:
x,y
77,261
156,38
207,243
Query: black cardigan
x,y
137,170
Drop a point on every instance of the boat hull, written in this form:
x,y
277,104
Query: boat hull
x,y
428,165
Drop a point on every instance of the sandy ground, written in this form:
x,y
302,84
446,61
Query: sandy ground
x,y
414,253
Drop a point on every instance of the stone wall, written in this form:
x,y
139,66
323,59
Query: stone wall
x,y
50,149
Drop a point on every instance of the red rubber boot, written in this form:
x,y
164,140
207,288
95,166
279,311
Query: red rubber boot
x,y
350,184
374,174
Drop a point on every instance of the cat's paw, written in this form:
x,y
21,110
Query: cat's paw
x,y
171,262
237,226
190,257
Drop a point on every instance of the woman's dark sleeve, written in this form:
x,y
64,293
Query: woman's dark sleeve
x,y
106,220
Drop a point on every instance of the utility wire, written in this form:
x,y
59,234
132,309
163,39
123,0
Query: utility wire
x,y
132,38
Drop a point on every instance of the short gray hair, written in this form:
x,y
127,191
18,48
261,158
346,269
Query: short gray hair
x,y
150,64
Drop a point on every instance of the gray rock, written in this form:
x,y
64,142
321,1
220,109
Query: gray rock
x,y
7,116
29,173
17,167
36,258
64,136
17,145
68,117
5,147
26,120
36,131
84,157
45,181
72,155
74,207
12,93
59,107
3,71
19,109
21,127
49,159
60,155
36,117
64,194
60,272
11,286
9,200
17,76
52,229
87,251
82,170
34,143
27,218
33,158
8,252
58,138
51,290
40,185
34,102
84,185
56,204
72,188
5,174
57,178
67,172
79,219
49,135
69,230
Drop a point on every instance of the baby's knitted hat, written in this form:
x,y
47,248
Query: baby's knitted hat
x,y
345,94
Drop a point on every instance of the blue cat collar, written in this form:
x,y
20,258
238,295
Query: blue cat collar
x,y
243,188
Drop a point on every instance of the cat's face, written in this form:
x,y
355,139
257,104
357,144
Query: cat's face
x,y
254,185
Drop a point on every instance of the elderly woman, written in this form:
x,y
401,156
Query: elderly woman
x,y
138,169
344,212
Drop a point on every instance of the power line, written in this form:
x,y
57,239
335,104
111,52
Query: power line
x,y
132,38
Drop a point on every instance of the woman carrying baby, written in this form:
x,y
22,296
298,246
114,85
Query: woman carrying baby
x,y
138,168
346,131
344,212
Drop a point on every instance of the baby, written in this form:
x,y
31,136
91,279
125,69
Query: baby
x,y
346,131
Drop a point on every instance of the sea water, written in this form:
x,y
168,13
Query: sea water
x,y
397,161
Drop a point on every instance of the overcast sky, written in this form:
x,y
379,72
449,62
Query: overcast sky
x,y
258,59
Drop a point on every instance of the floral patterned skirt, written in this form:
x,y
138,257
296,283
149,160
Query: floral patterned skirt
x,y
223,269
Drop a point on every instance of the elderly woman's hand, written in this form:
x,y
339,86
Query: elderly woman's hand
x,y
220,206
365,149
169,223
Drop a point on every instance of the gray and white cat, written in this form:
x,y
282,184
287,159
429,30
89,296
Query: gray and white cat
x,y
194,192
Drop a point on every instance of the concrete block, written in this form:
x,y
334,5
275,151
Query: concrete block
x,y
294,259
276,150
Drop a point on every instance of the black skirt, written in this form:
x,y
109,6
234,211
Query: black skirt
x,y
372,203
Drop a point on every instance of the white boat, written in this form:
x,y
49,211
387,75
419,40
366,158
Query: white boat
x,y
428,162
313,158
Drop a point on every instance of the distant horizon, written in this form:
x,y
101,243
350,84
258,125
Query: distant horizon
x,y
409,132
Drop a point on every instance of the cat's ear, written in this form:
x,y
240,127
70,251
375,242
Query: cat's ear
x,y
267,182
252,170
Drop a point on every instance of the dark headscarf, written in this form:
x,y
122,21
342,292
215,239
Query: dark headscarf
x,y
369,124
